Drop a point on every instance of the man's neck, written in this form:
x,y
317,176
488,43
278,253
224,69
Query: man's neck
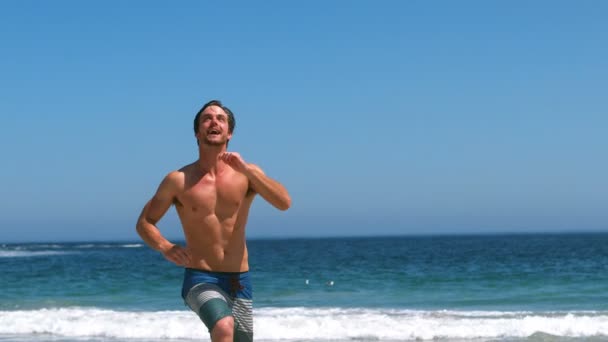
x,y
208,157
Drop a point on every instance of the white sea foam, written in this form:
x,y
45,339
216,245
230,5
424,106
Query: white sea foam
x,y
87,245
132,245
55,246
54,249
286,324
24,253
96,245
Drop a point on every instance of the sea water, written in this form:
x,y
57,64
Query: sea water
x,y
539,287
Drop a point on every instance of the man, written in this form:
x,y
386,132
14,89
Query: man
x,y
212,197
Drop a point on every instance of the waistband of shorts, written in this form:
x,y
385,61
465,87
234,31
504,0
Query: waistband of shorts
x,y
215,273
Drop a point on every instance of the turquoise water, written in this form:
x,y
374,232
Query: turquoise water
x,y
391,288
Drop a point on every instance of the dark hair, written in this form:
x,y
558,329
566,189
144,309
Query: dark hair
x,y
231,120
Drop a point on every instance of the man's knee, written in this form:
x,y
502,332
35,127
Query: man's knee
x,y
223,329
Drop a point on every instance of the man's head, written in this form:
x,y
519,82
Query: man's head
x,y
214,124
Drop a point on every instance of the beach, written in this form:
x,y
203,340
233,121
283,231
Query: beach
x,y
536,287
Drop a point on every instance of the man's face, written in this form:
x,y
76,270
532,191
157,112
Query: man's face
x,y
213,127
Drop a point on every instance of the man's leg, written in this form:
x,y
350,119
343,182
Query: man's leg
x,y
214,308
223,331
243,319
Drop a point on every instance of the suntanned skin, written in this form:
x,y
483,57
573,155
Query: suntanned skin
x,y
212,197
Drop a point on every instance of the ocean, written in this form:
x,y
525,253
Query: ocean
x,y
532,287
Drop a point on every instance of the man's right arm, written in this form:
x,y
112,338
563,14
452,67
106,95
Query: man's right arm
x,y
153,211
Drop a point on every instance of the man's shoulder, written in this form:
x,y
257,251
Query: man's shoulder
x,y
184,170
179,176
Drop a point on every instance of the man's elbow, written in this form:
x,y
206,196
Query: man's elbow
x,y
140,227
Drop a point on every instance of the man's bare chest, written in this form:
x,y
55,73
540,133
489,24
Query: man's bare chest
x,y
212,195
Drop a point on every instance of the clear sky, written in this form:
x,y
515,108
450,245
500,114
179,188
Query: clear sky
x,y
380,117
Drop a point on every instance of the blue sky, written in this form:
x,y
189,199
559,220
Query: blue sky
x,y
380,117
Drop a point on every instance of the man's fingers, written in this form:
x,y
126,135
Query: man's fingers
x,y
228,155
185,256
178,255
231,158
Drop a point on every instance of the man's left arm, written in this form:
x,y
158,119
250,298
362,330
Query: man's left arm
x,y
270,190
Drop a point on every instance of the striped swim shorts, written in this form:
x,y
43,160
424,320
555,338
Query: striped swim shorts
x,y
215,295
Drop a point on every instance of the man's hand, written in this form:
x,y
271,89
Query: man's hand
x,y
234,160
177,255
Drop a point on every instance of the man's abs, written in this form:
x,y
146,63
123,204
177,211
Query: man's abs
x,y
216,248
217,258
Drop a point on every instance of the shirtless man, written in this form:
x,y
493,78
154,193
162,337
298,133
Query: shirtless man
x,y
212,197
